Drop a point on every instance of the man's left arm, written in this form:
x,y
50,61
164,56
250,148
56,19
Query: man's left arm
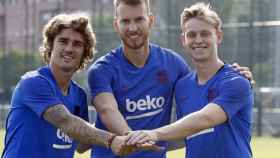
x,y
210,116
235,94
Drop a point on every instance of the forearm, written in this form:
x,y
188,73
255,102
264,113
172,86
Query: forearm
x,y
182,128
114,122
75,127
210,116
107,108
84,132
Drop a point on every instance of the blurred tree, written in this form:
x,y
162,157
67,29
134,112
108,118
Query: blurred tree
x,y
105,33
14,66
267,78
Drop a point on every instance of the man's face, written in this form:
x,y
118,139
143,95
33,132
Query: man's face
x,y
200,39
68,49
133,24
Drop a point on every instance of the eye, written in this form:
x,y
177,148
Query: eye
x,y
78,44
191,35
62,41
124,21
205,34
139,19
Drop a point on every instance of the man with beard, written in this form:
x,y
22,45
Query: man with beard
x,y
132,85
48,109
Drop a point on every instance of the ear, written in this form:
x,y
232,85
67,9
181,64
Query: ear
x,y
220,36
182,39
116,25
151,20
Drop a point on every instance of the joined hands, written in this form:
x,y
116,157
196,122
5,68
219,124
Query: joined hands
x,y
133,141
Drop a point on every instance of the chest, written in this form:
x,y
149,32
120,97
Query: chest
x,y
193,97
153,80
73,102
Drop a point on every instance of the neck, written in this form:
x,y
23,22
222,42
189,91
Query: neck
x,y
137,57
62,78
206,70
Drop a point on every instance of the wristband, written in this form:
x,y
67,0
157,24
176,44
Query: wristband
x,y
110,140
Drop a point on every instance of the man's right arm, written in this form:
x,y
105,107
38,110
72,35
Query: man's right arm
x,y
84,132
107,108
75,127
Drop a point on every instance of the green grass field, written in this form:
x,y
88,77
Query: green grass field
x,y
263,147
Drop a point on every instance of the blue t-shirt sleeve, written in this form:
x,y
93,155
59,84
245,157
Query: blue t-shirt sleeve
x,y
235,93
99,79
38,94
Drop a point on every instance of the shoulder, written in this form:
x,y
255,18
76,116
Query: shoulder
x,y
233,80
108,61
113,56
230,75
34,78
33,83
186,80
165,51
170,57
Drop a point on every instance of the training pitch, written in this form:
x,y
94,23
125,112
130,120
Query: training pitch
x,y
263,147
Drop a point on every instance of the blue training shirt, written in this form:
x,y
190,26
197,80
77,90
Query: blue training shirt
x,y
144,95
233,93
28,135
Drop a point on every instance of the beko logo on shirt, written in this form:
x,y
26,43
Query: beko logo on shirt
x,y
144,104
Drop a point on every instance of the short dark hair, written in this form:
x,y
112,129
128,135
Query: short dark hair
x,y
131,3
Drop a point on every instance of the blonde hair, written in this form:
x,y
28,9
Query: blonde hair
x,y
76,21
203,12
131,3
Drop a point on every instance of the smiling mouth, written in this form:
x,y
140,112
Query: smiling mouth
x,y
67,58
194,48
134,37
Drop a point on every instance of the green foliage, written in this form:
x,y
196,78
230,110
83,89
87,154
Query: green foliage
x,y
104,21
13,65
107,38
261,68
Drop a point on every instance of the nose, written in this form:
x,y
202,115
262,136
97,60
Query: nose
x,y
132,27
69,47
198,39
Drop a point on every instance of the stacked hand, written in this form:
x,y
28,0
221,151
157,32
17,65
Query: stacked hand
x,y
135,140
245,71
142,138
119,146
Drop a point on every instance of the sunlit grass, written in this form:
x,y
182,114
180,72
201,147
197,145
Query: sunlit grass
x,y
263,147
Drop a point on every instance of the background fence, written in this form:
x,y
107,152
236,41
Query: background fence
x,y
251,28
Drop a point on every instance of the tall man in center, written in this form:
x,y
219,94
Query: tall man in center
x,y
132,86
